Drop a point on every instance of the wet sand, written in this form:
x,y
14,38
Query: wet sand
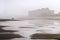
x,y
30,39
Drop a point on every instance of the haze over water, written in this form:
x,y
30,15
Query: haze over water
x,y
46,25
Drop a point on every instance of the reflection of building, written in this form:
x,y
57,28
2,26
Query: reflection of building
x,y
44,12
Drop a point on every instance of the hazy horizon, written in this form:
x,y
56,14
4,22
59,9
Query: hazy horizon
x,y
20,8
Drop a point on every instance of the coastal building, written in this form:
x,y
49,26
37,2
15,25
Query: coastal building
x,y
44,12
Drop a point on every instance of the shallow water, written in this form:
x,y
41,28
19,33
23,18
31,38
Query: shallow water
x,y
29,39
33,39
44,26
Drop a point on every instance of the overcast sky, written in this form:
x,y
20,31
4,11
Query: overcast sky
x,y
19,8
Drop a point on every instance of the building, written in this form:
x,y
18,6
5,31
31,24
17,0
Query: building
x,y
44,12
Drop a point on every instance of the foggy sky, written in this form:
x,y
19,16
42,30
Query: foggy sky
x,y
19,8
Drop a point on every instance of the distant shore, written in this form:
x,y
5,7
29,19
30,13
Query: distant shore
x,y
9,20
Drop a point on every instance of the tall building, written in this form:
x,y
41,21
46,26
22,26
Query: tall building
x,y
44,12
